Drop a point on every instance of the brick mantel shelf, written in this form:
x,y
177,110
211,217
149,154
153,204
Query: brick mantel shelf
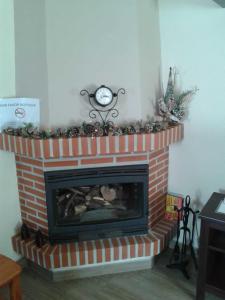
x,y
34,157
88,146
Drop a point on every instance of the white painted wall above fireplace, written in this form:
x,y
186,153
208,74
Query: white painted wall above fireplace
x,y
65,46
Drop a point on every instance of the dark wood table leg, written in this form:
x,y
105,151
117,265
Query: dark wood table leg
x,y
15,289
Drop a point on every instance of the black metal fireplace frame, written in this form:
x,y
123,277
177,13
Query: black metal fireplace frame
x,y
76,177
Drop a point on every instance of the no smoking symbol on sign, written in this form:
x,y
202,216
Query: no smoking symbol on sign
x,y
20,113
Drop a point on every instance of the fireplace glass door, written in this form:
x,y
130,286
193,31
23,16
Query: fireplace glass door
x,y
99,202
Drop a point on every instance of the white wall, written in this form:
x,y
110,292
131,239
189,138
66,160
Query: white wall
x,y
9,203
30,53
193,40
62,47
93,42
149,56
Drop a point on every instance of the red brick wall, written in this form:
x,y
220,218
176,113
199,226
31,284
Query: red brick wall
x,y
34,157
31,184
158,184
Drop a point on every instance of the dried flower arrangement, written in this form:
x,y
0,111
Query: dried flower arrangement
x,y
173,107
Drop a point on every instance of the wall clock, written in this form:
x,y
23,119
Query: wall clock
x,y
103,95
103,103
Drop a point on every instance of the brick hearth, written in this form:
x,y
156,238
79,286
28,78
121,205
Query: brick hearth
x,y
96,252
34,157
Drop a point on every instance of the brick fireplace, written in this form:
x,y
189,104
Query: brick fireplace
x,y
36,157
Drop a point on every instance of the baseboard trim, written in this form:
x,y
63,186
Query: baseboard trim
x,y
103,269
94,270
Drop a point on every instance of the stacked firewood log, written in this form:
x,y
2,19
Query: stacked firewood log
x,y
77,200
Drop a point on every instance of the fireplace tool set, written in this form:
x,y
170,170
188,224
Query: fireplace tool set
x,y
182,253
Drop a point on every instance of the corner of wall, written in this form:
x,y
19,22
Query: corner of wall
x,y
9,203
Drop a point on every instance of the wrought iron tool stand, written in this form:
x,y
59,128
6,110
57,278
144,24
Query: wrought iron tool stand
x,y
180,258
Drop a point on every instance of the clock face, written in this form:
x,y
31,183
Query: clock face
x,y
103,96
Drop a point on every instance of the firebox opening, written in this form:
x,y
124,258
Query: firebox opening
x,y
96,203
